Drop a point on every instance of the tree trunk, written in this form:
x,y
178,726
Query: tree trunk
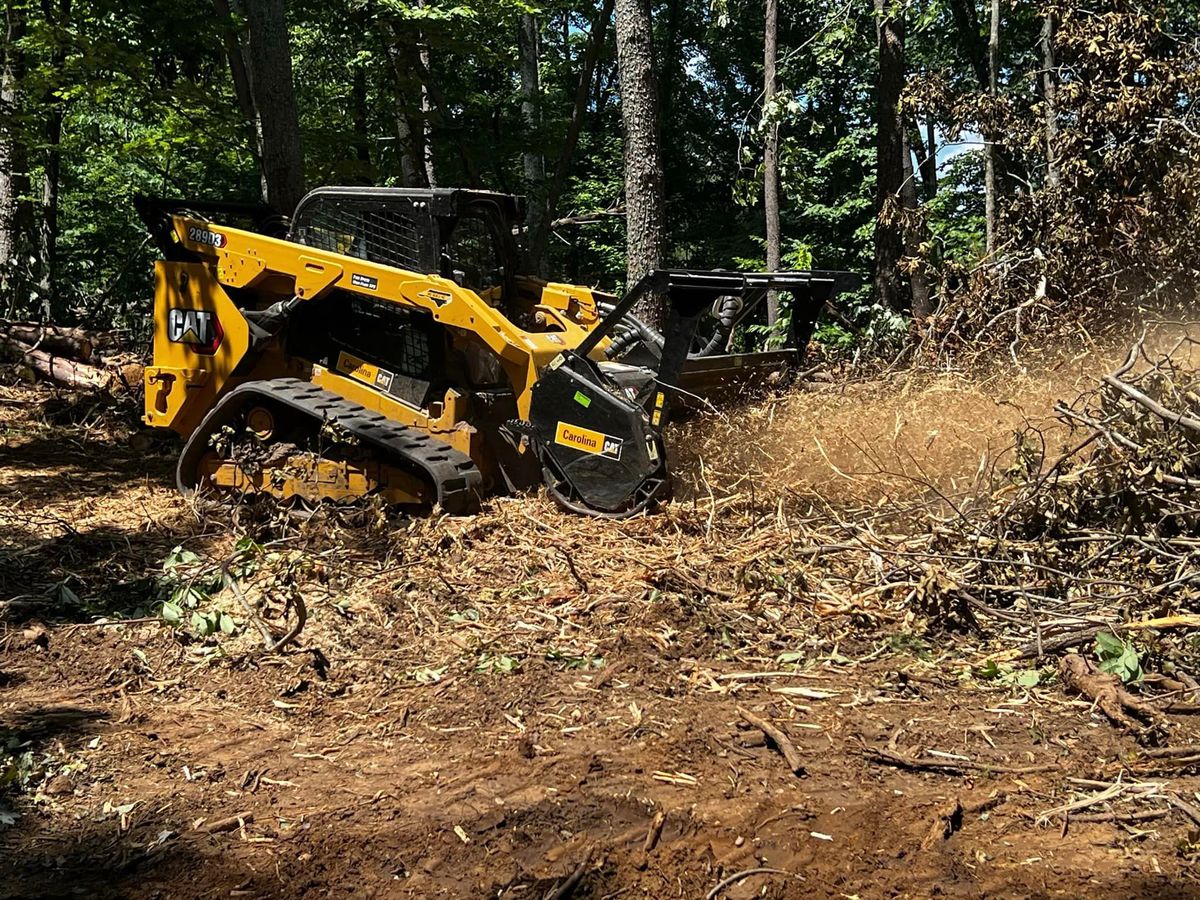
x,y
14,163
1050,99
48,230
566,39
771,156
539,236
606,90
992,152
275,101
534,162
235,54
409,129
424,70
966,26
931,156
889,157
978,51
61,370
926,150
644,201
411,61
52,167
922,304
411,174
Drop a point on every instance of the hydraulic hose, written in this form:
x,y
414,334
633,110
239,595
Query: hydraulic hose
x,y
725,311
638,330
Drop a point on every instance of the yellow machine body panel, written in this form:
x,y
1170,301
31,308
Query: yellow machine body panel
x,y
200,336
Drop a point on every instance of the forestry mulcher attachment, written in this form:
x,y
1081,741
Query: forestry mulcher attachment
x,y
387,345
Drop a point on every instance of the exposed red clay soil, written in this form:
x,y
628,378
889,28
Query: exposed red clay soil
x,y
393,752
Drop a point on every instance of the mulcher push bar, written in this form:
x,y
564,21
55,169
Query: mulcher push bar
x,y
689,293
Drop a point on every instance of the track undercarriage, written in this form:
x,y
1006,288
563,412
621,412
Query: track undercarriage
x,y
289,439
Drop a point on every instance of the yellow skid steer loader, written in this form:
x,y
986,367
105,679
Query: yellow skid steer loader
x,y
387,344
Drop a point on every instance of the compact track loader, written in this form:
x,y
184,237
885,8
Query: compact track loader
x,y
384,343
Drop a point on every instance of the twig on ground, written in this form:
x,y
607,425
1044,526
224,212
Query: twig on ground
x,y
583,585
1188,809
746,873
794,760
219,826
655,831
272,644
567,888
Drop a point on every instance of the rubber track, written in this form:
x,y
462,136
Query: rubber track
x,y
457,480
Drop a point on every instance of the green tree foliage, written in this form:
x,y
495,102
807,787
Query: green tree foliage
x,y
147,104
146,109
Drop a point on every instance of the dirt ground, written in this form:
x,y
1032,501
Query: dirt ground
x,y
526,705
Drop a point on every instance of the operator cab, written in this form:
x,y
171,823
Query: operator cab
x,y
466,236
477,251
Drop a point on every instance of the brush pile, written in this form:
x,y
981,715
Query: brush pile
x,y
1102,533
1082,536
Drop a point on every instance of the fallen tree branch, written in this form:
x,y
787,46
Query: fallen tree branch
x,y
794,760
1146,815
575,878
1087,633
1188,809
892,758
1169,415
655,831
1106,692
220,826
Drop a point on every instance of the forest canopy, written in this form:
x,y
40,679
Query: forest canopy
x,y
968,158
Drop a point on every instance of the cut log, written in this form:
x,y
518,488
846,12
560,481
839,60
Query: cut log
x,y
58,369
67,372
74,343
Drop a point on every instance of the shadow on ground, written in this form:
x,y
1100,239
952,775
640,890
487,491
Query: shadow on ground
x,y
75,576
152,858
143,851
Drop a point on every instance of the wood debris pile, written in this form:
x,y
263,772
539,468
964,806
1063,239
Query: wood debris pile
x,y
1087,536
1095,535
69,357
